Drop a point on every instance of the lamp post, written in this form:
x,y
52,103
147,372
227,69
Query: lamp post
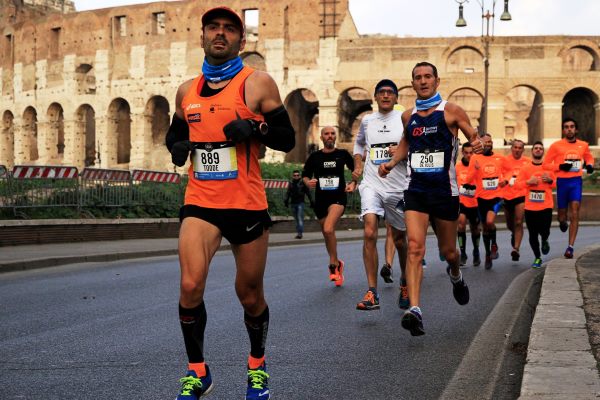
x,y
486,38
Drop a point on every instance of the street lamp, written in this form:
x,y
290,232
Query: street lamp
x,y
486,38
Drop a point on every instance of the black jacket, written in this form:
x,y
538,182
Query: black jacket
x,y
296,191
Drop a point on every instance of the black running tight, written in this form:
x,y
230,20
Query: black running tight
x,y
538,223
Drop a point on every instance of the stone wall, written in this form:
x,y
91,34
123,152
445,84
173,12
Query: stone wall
x,y
97,88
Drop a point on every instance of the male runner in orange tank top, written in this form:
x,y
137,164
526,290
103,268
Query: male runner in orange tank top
x,y
221,119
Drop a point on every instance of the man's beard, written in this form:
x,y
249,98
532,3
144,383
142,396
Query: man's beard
x,y
487,151
330,144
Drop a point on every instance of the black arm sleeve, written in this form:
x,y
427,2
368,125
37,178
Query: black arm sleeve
x,y
350,161
281,135
178,131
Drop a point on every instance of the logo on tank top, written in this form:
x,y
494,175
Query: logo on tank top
x,y
193,118
489,169
424,130
191,106
218,107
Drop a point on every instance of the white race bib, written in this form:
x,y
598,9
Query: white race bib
x,y
380,153
489,183
215,161
329,183
575,165
427,162
466,192
537,196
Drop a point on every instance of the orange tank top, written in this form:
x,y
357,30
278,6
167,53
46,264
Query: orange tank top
x,y
223,174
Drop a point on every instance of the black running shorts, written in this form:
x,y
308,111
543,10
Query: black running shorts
x,y
237,226
471,213
440,207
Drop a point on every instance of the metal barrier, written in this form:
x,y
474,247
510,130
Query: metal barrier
x,y
105,188
33,186
149,186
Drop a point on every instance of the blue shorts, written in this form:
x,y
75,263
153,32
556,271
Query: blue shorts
x,y
568,190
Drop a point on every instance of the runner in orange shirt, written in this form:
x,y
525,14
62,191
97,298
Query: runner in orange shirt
x,y
537,183
221,119
487,171
568,158
514,197
468,208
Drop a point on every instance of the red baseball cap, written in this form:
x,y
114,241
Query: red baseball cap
x,y
223,11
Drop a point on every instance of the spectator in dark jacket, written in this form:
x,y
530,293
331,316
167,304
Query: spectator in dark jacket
x,y
295,194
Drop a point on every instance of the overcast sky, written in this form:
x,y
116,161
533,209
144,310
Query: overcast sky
x,y
430,18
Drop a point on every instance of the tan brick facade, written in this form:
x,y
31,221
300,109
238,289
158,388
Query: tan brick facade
x,y
97,87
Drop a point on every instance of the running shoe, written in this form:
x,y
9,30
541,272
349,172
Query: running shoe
x,y
299,236
488,262
569,252
192,387
537,263
494,253
339,273
463,258
515,255
332,273
258,384
460,290
563,225
476,258
369,302
412,320
386,273
403,301
545,247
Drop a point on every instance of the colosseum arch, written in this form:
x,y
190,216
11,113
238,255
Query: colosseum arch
x,y
407,97
303,107
470,100
254,59
55,133
119,133
85,128
464,59
156,124
7,139
580,58
29,133
581,105
522,114
353,104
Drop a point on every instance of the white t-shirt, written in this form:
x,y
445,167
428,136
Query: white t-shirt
x,y
376,134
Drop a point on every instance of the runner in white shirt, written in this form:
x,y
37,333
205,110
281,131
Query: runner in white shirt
x,y
375,144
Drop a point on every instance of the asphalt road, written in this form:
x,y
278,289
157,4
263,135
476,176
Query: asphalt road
x,y
111,331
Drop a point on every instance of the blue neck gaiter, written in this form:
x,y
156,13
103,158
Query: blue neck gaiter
x,y
430,102
223,72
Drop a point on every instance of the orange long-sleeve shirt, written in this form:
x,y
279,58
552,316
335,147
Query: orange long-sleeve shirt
x,y
466,196
539,196
512,166
562,151
487,174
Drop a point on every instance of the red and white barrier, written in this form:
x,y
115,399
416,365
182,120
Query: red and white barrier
x,y
43,172
155,176
275,184
98,174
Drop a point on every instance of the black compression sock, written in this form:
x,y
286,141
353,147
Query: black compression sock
x,y
257,328
193,322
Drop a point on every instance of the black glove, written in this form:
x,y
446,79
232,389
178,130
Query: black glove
x,y
589,168
239,130
180,152
469,187
286,203
565,167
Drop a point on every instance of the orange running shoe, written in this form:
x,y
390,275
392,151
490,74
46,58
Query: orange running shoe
x,y
339,281
369,302
332,273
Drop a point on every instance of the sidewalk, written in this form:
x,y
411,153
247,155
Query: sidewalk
x,y
562,343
